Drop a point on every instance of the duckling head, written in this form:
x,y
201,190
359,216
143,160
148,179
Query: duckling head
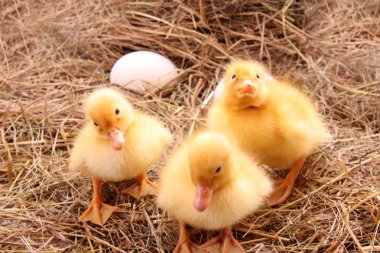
x,y
210,166
246,84
110,114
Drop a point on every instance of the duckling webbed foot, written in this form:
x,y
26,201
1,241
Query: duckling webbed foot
x,y
141,187
224,243
283,187
98,212
185,245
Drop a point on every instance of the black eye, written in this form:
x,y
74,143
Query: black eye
x,y
233,77
257,76
96,124
117,111
218,169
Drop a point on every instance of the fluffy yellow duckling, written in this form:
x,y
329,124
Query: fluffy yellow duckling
x,y
117,143
210,184
270,119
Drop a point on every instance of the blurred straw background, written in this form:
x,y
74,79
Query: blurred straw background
x,y
54,52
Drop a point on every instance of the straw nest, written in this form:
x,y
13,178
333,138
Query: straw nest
x,y
55,52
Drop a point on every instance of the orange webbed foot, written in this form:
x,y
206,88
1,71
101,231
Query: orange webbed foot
x,y
224,243
141,187
188,246
280,193
185,245
283,187
98,213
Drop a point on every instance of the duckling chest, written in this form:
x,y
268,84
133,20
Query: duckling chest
x,y
252,129
112,165
262,135
223,212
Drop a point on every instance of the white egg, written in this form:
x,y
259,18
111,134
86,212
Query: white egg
x,y
143,71
219,90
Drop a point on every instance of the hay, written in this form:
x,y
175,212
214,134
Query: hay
x,y
54,52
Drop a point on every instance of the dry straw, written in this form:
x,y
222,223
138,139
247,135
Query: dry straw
x,y
54,52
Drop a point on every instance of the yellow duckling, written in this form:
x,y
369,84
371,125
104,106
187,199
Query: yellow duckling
x,y
270,119
210,184
117,143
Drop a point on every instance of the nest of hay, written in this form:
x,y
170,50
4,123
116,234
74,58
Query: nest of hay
x,y
53,53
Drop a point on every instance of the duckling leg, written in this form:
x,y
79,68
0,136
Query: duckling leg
x,y
284,187
226,243
98,212
185,245
141,187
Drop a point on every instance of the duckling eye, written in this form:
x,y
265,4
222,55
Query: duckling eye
x,y
117,111
233,77
96,124
257,76
218,169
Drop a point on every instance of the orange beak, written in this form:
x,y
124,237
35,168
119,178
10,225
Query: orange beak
x,y
247,87
202,198
117,139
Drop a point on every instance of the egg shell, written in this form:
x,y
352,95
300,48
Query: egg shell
x,y
143,71
219,90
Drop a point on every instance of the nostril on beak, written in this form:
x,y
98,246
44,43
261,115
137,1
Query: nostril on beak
x,y
247,82
247,87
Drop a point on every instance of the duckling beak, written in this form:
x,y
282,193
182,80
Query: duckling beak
x,y
202,198
117,139
247,87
